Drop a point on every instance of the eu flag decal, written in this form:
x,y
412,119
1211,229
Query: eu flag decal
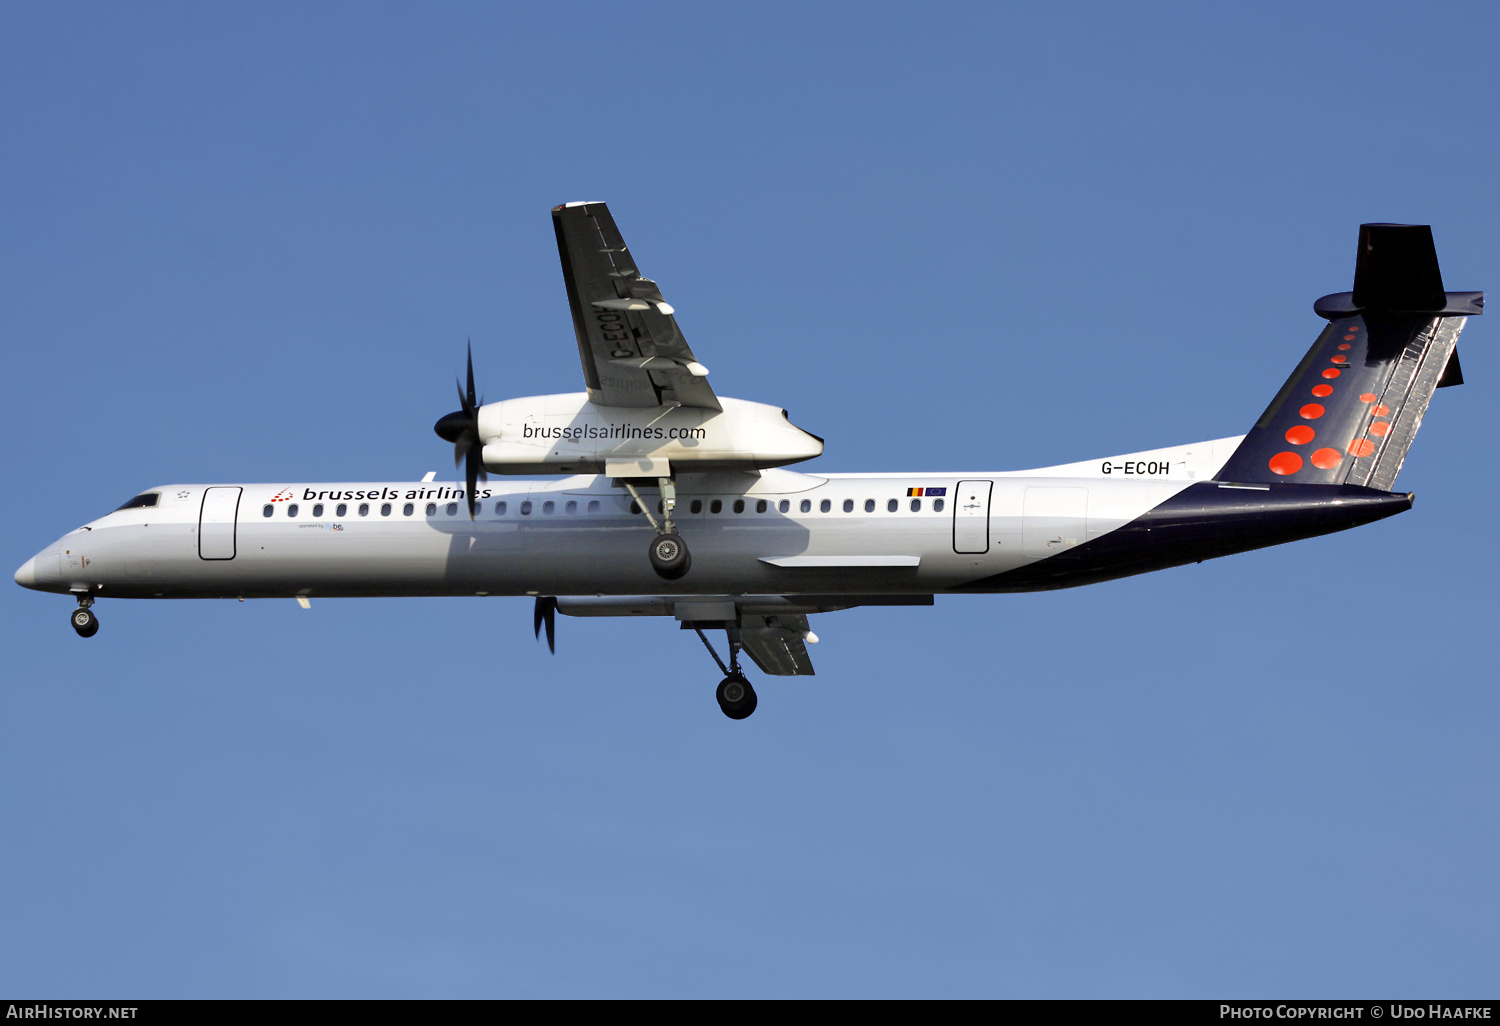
x,y
937,491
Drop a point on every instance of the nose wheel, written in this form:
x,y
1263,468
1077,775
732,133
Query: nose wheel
x,y
84,621
736,697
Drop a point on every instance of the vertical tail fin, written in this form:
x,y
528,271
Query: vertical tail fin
x,y
1349,412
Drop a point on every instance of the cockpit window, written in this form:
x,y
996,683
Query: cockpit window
x,y
146,501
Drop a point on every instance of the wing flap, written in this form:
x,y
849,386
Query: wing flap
x,y
777,645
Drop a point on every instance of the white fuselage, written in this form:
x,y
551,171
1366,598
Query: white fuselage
x,y
775,532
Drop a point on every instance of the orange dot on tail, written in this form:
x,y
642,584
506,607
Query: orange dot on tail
x,y
1285,463
1345,345
1354,327
1368,397
1312,411
1381,411
1299,435
1327,459
1380,428
1361,447
1322,390
1347,338
1331,372
1341,358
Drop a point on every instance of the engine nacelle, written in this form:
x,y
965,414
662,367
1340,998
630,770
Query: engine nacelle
x,y
567,434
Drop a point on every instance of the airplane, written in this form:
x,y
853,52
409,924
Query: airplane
x,y
655,460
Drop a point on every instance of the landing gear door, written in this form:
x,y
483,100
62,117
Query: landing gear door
x,y
216,523
971,516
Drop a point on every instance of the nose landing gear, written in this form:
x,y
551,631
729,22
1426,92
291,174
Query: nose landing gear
x,y
84,621
736,697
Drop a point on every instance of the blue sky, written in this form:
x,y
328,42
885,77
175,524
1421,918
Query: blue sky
x,y
249,245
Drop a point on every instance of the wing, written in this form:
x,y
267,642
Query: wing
x,y
776,645
632,351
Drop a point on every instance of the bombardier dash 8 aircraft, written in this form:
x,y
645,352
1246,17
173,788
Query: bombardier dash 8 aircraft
x,y
677,502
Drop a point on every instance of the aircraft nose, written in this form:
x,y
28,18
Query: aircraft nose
x,y
26,576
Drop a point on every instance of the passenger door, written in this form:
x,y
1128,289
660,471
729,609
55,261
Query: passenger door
x,y
971,516
216,523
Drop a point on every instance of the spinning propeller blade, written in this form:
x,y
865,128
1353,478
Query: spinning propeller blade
x,y
461,427
545,614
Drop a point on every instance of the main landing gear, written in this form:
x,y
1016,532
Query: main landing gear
x,y
83,619
734,693
669,554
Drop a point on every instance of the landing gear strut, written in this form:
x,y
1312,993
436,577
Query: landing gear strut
x,y
734,693
83,619
668,552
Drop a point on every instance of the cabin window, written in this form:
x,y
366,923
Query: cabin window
x,y
783,505
499,509
916,505
739,505
385,509
526,508
593,505
146,501
717,506
825,506
318,511
937,505
869,505
571,509
892,506
806,506
364,509
408,509
760,505
452,509
432,509
848,505
291,510
696,506
548,507
268,510
342,510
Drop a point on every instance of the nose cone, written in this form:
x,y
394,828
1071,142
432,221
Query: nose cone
x,y
26,576
451,427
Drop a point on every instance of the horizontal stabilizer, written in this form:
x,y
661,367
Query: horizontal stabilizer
x,y
1397,268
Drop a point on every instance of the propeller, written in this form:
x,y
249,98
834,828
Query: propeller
x,y
546,614
461,427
